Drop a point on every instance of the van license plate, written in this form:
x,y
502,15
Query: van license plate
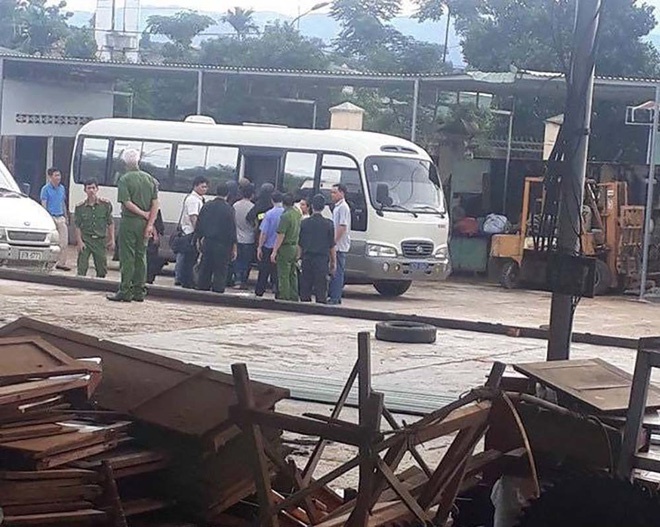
x,y
32,256
419,266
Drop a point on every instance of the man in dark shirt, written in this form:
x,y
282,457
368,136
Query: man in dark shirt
x,y
216,233
319,257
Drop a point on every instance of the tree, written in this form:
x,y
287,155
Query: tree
x,y
279,46
537,34
431,9
80,43
40,27
364,25
242,21
180,28
7,15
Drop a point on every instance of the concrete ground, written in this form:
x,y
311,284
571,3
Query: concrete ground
x,y
478,300
314,354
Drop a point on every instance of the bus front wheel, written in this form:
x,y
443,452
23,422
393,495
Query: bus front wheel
x,y
392,288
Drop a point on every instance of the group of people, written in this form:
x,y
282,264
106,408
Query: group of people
x,y
298,252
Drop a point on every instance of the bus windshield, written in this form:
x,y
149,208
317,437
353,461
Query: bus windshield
x,y
397,184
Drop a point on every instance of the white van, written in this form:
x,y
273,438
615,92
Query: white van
x,y
28,236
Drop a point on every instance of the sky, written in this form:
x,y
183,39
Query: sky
x,y
286,7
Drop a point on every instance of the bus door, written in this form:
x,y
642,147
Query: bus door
x,y
261,165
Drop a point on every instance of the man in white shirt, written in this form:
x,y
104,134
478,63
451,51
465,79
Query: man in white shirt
x,y
186,259
341,217
246,236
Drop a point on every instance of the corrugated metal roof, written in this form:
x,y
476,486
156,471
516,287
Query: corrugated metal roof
x,y
551,75
210,67
490,77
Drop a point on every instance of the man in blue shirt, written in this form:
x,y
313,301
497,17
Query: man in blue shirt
x,y
53,199
267,239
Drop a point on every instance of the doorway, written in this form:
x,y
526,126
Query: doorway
x,y
62,156
262,167
30,163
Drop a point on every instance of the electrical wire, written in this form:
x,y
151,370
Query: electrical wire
x,y
546,239
560,159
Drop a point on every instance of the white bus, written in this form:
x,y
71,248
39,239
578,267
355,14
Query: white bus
x,y
400,224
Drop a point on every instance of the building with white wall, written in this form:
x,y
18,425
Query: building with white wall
x,y
40,114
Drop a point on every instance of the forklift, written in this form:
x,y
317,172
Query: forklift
x,y
612,233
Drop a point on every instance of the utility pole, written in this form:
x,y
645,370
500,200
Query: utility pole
x,y
446,48
648,217
577,123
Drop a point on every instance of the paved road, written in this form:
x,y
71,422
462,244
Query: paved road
x,y
312,346
481,301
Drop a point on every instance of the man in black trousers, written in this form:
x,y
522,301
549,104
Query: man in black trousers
x,y
319,257
216,235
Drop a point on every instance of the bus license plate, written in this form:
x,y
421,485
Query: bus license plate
x,y
32,256
419,266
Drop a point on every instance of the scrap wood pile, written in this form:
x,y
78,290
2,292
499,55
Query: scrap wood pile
x,y
586,413
95,433
526,439
62,461
422,494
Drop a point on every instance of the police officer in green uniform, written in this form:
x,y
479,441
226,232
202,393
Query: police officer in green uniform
x,y
285,252
137,192
95,230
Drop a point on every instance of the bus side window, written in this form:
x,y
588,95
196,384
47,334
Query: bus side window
x,y
342,169
93,160
155,160
118,169
190,163
221,165
299,170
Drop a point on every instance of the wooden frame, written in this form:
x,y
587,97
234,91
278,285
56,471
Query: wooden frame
x,y
469,416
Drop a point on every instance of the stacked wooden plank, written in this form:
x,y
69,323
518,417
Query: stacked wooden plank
x,y
39,435
50,496
183,459
62,462
180,408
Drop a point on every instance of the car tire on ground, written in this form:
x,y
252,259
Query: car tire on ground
x,y
406,332
392,288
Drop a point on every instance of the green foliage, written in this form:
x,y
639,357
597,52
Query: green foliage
x,y
40,28
364,25
537,35
80,43
351,10
242,21
430,9
279,46
180,28
7,11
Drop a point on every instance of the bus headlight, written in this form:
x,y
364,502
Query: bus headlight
x,y
375,250
3,234
442,252
54,237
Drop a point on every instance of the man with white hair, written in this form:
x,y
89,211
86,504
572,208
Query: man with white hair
x,y
137,192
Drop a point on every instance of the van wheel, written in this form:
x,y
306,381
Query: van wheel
x,y
510,275
603,278
392,288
